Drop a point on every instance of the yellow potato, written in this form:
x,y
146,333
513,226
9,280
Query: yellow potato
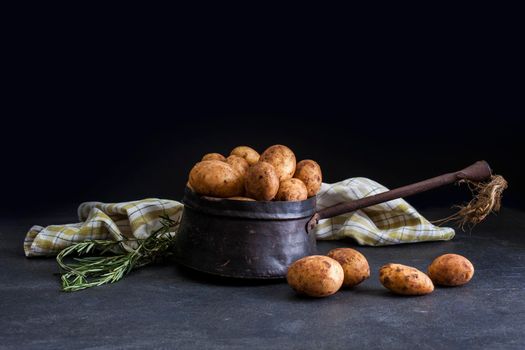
x,y
309,172
291,190
214,156
315,276
262,182
239,164
451,270
355,265
405,280
238,198
215,178
282,159
247,153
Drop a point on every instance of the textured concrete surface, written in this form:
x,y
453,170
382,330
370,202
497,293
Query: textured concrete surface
x,y
171,307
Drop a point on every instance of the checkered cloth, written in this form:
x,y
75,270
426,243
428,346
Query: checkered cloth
x,y
115,221
388,223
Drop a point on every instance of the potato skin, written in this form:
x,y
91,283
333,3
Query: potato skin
x,y
262,182
315,276
405,280
309,172
239,198
451,270
283,160
239,164
214,156
291,190
248,153
354,264
215,178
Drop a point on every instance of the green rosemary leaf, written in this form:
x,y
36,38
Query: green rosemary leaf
x,y
96,270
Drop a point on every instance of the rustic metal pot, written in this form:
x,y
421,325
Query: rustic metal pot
x,y
259,240
244,239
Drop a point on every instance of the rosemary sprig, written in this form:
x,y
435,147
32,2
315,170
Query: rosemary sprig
x,y
92,271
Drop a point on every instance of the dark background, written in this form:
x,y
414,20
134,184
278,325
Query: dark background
x,y
123,112
55,164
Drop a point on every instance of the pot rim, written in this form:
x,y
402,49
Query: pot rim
x,y
266,210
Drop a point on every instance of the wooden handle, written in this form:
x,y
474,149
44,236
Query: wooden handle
x,y
478,171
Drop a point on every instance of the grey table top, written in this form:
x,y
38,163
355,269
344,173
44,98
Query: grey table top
x,y
171,307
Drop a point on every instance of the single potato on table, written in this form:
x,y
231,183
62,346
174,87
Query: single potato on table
x,y
216,179
292,190
405,280
262,182
355,265
247,153
315,276
451,270
309,172
283,160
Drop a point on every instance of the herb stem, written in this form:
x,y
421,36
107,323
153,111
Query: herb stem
x,y
96,270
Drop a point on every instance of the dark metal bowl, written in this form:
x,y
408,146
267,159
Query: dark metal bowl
x,y
243,239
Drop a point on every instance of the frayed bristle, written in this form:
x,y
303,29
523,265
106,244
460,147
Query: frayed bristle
x,y
486,199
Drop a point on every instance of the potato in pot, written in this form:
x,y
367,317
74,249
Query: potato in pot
x,y
238,198
214,156
292,190
262,182
216,179
239,164
283,160
309,172
248,153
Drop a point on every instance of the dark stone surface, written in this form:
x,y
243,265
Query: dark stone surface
x,y
170,307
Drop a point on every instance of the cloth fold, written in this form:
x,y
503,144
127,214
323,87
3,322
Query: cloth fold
x,y
393,222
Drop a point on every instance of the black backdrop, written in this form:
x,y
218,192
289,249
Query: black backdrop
x,y
114,115
55,163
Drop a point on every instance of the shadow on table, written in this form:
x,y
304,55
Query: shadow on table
x,y
205,278
369,292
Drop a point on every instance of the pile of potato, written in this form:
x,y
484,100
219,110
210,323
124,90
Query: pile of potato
x,y
321,276
246,175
